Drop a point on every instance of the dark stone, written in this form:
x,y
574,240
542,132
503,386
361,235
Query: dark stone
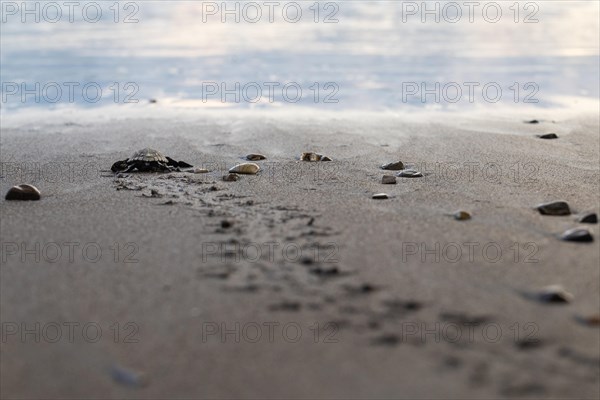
x,y
380,196
554,208
23,192
325,272
548,136
388,180
577,235
591,218
367,288
410,173
528,344
255,157
230,178
554,294
393,166
306,260
462,216
226,224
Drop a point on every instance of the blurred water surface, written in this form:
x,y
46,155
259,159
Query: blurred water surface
x,y
367,55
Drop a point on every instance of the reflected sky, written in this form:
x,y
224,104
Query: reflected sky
x,y
375,55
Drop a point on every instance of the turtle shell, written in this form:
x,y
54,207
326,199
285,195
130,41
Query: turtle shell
x,y
148,155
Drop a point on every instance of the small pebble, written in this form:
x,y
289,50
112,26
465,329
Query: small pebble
x,y
462,215
577,235
554,208
306,260
309,156
380,196
286,306
153,193
388,180
152,101
591,320
230,177
590,218
127,377
393,166
226,224
367,288
245,168
555,294
255,157
529,343
23,192
548,136
533,121
325,272
200,171
410,173
387,339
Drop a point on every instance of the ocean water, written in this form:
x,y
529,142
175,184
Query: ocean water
x,y
344,55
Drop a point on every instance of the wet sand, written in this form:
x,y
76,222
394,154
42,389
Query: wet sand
x,y
311,289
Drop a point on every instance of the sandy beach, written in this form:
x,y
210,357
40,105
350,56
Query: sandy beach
x,y
295,283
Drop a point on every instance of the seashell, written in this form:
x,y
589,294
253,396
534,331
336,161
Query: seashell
x,y
462,216
245,168
410,173
23,192
577,235
200,171
230,177
388,180
255,157
548,136
590,218
554,208
554,294
393,166
380,196
309,156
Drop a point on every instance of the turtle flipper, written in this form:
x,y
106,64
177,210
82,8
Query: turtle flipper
x,y
183,164
155,166
178,164
130,167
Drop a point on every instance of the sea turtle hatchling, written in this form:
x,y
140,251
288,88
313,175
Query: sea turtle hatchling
x,y
149,160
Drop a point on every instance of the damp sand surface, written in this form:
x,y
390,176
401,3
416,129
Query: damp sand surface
x,y
294,282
